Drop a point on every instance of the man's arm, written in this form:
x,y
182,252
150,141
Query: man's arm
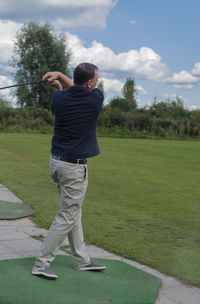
x,y
58,76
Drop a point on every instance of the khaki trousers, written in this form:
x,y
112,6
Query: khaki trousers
x,y
71,181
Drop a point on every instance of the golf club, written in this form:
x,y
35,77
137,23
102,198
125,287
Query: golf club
x,y
23,84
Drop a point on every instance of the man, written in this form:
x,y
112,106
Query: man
x,y
76,111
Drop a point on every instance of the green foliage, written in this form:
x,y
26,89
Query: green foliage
x,y
28,118
163,119
195,116
37,50
121,104
141,121
4,104
117,118
169,109
129,93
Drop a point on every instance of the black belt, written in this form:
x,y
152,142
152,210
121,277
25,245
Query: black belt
x,y
81,161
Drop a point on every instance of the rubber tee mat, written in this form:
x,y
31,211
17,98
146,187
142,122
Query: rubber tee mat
x,y
11,211
119,283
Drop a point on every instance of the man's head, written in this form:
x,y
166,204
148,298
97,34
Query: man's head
x,y
86,75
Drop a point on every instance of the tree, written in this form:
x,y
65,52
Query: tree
x,y
120,103
100,86
38,50
129,93
169,108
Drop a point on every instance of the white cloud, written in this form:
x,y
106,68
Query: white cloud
x,y
113,85
169,96
5,81
144,62
140,90
72,13
7,93
112,88
73,4
8,31
192,107
132,21
183,86
83,14
196,70
183,79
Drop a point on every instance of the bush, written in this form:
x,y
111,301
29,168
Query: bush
x,y
142,122
120,104
117,118
19,119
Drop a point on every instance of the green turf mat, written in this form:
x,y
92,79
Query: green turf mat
x,y
11,211
119,283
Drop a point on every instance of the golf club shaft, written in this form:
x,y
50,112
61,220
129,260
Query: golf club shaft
x,y
23,84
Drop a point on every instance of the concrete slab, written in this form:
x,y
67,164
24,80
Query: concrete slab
x,y
7,235
187,294
22,245
166,300
8,196
4,250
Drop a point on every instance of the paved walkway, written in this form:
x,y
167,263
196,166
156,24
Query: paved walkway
x,y
16,241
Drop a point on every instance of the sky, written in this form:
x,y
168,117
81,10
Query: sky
x,y
154,42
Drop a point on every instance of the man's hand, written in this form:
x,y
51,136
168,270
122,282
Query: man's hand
x,y
51,78
55,76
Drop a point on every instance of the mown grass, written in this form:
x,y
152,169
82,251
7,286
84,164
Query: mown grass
x,y
143,199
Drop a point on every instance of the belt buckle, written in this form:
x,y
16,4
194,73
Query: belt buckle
x,y
83,161
56,157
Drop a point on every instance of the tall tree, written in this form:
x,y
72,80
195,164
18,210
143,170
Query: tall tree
x,y
38,50
129,93
100,86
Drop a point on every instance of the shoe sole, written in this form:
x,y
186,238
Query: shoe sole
x,y
43,274
91,268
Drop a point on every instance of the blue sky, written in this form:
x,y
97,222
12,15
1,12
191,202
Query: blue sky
x,y
155,42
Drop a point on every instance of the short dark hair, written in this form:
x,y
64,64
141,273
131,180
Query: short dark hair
x,y
84,72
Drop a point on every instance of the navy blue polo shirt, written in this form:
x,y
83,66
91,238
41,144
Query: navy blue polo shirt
x,y
76,111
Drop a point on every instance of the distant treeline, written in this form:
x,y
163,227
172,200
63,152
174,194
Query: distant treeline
x,y
163,119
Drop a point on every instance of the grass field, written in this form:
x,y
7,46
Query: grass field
x,y
143,199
